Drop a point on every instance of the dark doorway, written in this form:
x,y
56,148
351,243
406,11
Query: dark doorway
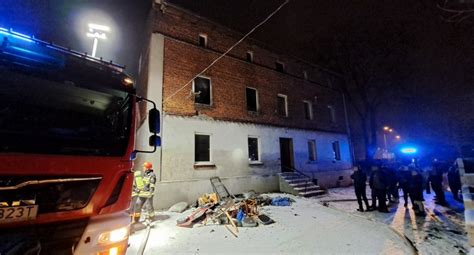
x,y
286,155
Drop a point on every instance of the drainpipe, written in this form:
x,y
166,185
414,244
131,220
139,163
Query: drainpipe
x,y
348,129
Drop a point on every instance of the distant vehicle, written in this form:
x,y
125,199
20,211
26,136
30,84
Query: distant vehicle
x,y
67,137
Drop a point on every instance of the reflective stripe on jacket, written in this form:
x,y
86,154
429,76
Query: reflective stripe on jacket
x,y
138,180
149,180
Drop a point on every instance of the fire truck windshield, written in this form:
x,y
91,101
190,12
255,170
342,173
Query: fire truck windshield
x,y
44,114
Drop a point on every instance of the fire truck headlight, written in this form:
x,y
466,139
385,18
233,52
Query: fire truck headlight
x,y
113,236
127,82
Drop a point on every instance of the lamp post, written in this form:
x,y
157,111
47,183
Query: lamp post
x,y
97,32
386,128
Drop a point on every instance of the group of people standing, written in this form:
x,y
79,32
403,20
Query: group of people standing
x,y
385,182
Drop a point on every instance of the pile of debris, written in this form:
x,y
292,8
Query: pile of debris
x,y
223,208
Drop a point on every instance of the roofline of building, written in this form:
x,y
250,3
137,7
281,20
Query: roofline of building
x,y
257,42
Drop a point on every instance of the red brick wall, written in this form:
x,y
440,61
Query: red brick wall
x,y
183,59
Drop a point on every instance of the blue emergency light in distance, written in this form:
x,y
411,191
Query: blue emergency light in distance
x,y
408,150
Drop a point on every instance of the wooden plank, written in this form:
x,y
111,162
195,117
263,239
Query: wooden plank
x,y
232,222
231,231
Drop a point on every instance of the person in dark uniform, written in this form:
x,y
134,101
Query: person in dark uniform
x,y
379,184
416,192
360,179
436,179
373,194
392,181
454,181
405,182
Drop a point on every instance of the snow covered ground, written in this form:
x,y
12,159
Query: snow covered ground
x,y
440,232
305,227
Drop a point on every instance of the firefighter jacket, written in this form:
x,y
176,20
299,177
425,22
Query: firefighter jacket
x,y
145,184
137,181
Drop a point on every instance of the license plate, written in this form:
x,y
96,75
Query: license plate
x,y
18,213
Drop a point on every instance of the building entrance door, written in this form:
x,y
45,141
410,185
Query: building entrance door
x,y
286,154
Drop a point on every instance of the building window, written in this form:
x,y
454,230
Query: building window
x,y
282,107
202,40
332,113
202,90
337,150
254,155
308,110
280,67
249,56
202,148
252,99
305,75
312,153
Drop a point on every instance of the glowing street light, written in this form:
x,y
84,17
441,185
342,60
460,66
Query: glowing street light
x,y
386,128
97,32
398,137
409,150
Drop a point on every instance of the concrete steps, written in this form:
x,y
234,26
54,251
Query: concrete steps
x,y
300,185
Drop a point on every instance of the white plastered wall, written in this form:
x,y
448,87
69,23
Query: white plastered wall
x,y
181,181
154,93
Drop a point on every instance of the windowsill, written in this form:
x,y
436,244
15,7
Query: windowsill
x,y
253,113
255,163
201,106
204,165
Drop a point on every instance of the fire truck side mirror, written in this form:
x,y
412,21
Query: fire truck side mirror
x,y
154,141
154,121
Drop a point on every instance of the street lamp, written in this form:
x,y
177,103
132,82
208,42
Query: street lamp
x,y
398,137
388,129
97,32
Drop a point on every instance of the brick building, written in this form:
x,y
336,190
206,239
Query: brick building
x,y
252,115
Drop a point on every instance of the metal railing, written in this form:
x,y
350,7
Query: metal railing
x,y
309,178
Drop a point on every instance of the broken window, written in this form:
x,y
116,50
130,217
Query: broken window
x,y
282,107
312,156
253,149
308,110
202,91
202,150
337,150
252,99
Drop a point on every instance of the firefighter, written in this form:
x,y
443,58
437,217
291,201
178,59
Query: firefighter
x,y
145,185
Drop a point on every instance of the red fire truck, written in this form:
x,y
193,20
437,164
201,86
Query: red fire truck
x,y
67,137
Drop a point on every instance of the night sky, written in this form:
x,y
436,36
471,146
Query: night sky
x,y
434,69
